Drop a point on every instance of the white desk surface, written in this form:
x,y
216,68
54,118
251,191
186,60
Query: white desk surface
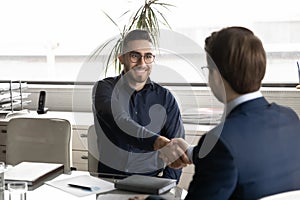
x,y
46,192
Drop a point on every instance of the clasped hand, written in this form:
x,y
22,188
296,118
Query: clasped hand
x,y
174,153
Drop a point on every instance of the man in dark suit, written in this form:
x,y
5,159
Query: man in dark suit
x,y
255,151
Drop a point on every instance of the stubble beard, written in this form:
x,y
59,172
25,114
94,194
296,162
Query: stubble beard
x,y
139,74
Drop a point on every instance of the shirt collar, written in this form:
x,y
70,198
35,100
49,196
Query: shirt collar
x,y
241,99
149,82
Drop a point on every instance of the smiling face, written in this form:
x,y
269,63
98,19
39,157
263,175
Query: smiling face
x,y
137,61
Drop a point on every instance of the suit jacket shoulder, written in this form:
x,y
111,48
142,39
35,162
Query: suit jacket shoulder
x,y
256,153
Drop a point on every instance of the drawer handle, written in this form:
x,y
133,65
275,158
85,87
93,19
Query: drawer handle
x,y
84,157
3,131
83,135
3,151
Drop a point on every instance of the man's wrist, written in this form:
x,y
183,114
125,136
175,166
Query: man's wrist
x,y
160,142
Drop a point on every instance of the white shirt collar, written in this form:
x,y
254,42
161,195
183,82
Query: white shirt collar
x,y
241,99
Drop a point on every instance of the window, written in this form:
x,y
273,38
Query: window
x,y
51,40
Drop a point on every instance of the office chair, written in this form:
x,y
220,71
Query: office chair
x,y
39,140
93,152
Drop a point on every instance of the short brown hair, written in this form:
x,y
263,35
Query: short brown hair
x,y
137,34
239,56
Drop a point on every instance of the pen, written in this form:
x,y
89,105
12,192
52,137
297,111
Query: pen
x,y
298,71
80,186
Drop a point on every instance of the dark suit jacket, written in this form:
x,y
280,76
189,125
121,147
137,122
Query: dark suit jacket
x,y
257,154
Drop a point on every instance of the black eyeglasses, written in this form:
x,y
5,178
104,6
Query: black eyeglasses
x,y
136,57
206,70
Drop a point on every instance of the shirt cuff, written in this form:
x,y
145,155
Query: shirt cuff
x,y
190,153
149,142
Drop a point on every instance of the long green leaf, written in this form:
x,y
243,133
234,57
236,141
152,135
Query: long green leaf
x,y
115,23
101,48
165,21
149,16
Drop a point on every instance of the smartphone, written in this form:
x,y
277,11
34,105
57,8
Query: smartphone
x,y
41,104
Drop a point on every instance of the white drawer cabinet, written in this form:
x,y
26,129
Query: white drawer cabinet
x,y
2,141
79,149
2,153
80,160
79,139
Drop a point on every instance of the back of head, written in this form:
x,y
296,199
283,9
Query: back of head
x,y
239,56
137,34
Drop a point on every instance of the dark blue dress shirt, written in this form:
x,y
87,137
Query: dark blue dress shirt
x,y
127,124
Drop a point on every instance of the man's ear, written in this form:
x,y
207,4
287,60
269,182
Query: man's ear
x,y
121,58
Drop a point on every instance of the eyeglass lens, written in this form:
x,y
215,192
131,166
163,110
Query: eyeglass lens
x,y
135,57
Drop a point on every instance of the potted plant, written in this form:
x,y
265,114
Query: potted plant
x,y
148,16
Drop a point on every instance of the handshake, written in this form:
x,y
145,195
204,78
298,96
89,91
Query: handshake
x,y
173,152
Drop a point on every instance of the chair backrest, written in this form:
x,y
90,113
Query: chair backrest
x,y
93,152
39,140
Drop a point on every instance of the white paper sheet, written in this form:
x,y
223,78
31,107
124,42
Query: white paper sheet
x,y
98,185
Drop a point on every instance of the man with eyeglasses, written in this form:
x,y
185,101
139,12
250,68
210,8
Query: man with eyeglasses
x,y
135,116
